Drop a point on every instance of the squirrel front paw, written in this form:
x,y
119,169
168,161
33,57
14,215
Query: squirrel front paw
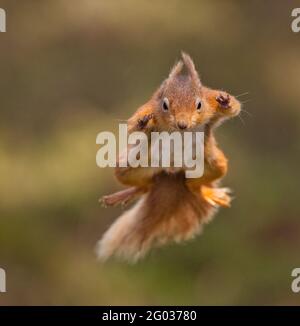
x,y
224,100
142,123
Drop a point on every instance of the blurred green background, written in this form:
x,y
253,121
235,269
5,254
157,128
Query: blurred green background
x,y
70,69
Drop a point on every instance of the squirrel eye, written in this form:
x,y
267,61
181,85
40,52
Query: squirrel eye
x,y
165,104
198,104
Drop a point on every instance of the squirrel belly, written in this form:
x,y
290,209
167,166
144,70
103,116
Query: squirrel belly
x,y
168,212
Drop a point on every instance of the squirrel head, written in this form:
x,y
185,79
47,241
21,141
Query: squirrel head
x,y
180,102
183,103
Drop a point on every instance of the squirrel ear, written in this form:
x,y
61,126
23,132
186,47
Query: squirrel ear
x,y
159,92
188,62
176,69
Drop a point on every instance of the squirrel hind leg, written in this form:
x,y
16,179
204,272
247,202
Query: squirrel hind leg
x,y
216,196
122,197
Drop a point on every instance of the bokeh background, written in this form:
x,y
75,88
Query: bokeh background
x,y
70,69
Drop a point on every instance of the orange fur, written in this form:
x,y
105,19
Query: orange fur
x,y
157,218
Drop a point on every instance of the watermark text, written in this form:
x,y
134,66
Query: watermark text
x,y
2,20
296,22
2,280
296,281
174,151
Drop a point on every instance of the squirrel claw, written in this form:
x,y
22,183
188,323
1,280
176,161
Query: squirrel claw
x,y
142,123
223,100
102,202
217,196
112,200
122,197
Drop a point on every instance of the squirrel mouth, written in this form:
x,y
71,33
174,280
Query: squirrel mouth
x,y
198,128
188,128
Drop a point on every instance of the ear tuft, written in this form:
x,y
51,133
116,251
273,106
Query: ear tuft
x,y
176,69
189,63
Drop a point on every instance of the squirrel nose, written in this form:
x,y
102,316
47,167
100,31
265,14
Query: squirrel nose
x,y
181,125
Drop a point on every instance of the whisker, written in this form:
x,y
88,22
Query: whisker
x,y
243,122
242,94
249,114
246,101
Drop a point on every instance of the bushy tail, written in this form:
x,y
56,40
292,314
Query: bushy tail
x,y
168,212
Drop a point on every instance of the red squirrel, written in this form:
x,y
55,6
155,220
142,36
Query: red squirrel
x,y
171,207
